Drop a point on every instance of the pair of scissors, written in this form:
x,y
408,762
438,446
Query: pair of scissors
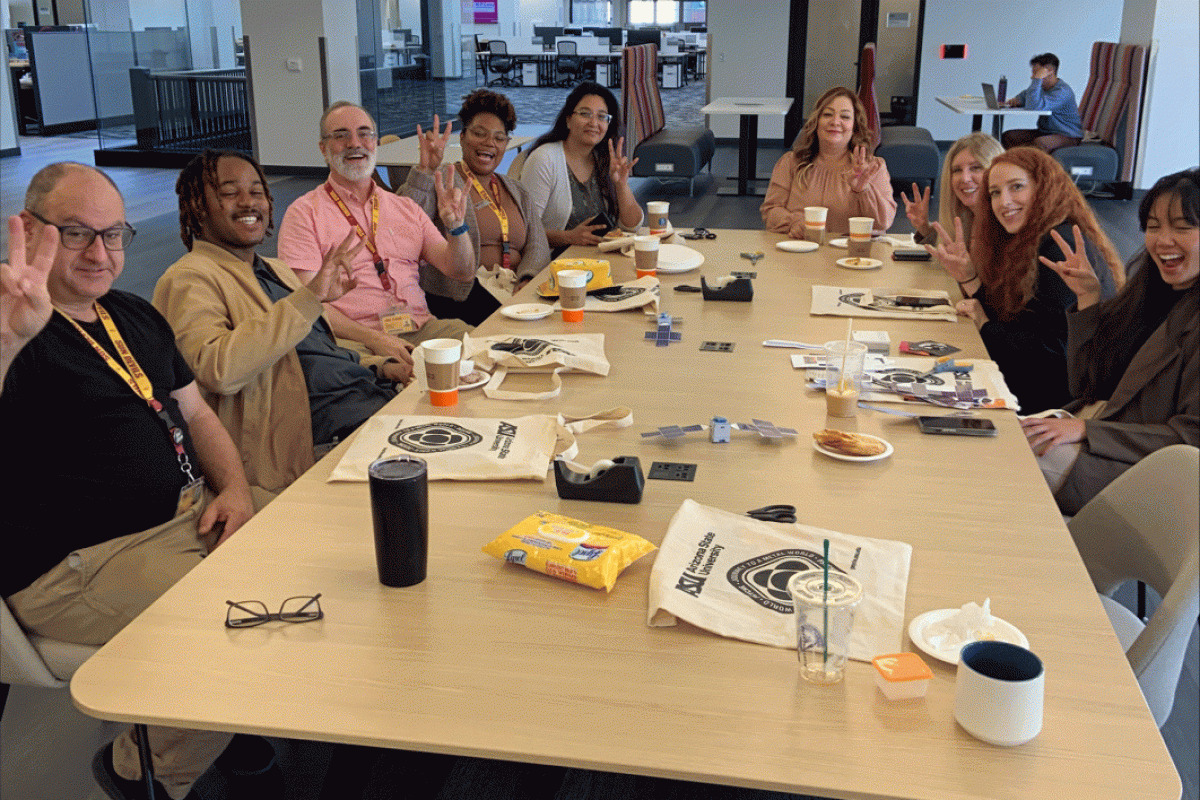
x,y
778,512
699,233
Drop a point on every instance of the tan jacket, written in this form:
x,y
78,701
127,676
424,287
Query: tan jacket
x,y
242,348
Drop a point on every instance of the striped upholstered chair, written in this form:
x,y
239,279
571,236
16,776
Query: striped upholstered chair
x,y
1110,108
664,153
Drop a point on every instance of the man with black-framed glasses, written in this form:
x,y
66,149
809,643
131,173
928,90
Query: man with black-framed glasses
x,y
120,477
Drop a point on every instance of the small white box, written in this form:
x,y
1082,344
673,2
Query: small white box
x,y
876,341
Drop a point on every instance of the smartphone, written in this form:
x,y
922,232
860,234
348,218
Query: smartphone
x,y
602,219
919,302
959,426
911,255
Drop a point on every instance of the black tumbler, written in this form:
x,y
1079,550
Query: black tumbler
x,y
400,510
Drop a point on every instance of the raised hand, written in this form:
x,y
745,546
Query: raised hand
x,y
917,209
24,299
1076,270
452,200
335,277
432,145
619,165
951,252
862,168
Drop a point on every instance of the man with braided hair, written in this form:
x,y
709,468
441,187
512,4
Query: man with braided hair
x,y
255,335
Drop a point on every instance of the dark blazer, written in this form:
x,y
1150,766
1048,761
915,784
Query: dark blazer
x,y
1156,402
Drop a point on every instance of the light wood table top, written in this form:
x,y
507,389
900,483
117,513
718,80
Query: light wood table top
x,y
406,153
977,105
489,659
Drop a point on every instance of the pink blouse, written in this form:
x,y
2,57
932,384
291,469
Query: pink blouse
x,y
783,208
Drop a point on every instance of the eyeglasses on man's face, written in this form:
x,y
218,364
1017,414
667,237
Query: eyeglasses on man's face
x,y
80,237
343,136
499,138
600,116
249,613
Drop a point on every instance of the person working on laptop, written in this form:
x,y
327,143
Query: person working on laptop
x,y
1049,92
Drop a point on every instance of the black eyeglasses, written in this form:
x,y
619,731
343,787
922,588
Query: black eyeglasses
x,y
249,613
699,233
80,237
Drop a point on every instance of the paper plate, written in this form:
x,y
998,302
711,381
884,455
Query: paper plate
x,y
860,263
480,379
674,258
841,242
797,246
1003,631
843,457
527,311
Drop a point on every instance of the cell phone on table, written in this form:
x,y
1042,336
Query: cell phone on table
x,y
911,255
913,301
602,219
957,426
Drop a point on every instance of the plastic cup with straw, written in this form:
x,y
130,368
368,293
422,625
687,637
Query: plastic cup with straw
x,y
824,600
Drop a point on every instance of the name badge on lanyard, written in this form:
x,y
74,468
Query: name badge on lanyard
x,y
505,248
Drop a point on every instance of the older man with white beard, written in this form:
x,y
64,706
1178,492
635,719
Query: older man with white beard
x,y
385,312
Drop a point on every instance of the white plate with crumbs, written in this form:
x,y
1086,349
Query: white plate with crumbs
x,y
859,263
999,631
797,246
473,379
527,311
887,451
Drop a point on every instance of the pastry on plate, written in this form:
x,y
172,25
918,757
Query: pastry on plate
x,y
849,444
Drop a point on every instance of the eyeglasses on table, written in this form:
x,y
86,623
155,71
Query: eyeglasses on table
x,y
250,613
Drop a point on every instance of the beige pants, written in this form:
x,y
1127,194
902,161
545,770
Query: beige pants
x,y
95,592
1058,461
437,329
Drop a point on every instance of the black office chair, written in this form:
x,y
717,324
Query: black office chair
x,y
501,63
568,64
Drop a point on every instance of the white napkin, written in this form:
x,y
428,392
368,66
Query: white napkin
x,y
970,623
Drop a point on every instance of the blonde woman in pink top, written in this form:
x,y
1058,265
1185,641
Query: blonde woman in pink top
x,y
830,165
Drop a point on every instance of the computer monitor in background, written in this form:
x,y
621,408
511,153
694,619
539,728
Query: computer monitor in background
x,y
638,36
547,35
572,32
614,35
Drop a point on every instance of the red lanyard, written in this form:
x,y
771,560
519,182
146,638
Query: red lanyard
x,y
370,240
137,380
505,249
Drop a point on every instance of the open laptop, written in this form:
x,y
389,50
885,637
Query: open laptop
x,y
989,96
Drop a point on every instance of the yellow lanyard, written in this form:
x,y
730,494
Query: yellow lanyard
x,y
136,379
370,240
496,209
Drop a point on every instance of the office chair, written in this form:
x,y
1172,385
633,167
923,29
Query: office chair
x,y
568,63
48,743
1145,525
500,62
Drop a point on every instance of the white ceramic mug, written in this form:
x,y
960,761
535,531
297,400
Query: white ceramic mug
x,y
999,693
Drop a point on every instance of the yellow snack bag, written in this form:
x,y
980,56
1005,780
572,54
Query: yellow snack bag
x,y
569,549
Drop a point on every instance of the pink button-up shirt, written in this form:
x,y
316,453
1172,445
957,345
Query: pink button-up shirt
x,y
313,225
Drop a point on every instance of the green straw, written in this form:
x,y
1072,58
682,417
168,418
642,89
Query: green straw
x,y
825,610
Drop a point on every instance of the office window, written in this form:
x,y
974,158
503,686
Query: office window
x,y
667,12
591,12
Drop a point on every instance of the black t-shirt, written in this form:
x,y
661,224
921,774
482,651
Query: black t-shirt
x,y
87,460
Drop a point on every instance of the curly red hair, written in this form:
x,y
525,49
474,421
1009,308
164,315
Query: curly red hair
x,y
1008,262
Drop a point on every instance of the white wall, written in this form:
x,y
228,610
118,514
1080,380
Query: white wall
x,y
1171,114
287,104
1001,35
747,58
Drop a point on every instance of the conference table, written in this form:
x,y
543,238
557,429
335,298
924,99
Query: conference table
x,y
493,660
977,108
748,110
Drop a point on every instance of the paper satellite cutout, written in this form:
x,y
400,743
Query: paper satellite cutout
x,y
765,429
663,336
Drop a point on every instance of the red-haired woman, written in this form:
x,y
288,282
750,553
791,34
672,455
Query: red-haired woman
x,y
829,165
1018,303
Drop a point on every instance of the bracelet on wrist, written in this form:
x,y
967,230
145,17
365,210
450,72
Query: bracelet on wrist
x,y
968,280
459,231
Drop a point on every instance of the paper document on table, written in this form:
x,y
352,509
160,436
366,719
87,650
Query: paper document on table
x,y
728,573
842,301
890,380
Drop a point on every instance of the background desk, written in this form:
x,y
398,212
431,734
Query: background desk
x,y
977,108
489,659
749,109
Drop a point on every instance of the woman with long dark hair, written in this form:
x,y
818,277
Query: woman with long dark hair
x,y
577,170
1133,361
1019,304
830,165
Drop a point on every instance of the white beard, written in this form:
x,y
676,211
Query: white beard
x,y
352,171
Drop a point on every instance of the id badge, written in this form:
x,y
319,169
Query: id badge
x,y
189,496
396,320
